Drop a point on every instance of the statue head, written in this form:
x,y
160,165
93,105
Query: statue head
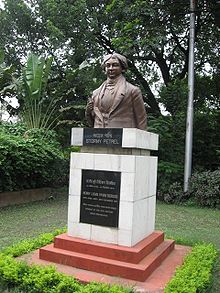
x,y
114,65
122,60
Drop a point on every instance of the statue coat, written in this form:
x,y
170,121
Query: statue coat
x,y
127,110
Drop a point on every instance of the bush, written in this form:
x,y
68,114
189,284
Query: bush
x,y
21,277
29,159
175,194
29,245
17,129
204,188
195,274
168,174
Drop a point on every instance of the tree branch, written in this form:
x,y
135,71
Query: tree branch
x,y
164,68
148,57
150,99
104,42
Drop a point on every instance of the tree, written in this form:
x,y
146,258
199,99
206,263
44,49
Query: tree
x,y
8,84
152,34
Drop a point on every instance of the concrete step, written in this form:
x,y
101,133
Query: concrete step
x,y
122,253
113,267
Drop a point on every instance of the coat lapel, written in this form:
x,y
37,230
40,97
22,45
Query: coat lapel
x,y
119,96
97,102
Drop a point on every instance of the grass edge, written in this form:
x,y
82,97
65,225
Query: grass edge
x,y
195,273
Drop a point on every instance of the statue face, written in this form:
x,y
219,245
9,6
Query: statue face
x,y
113,68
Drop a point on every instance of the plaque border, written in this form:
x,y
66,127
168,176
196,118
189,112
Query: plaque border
x,y
116,219
117,133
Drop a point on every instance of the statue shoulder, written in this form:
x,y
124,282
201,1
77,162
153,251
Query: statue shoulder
x,y
97,91
132,88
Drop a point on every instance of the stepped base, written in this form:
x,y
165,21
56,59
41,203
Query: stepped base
x,y
155,283
134,263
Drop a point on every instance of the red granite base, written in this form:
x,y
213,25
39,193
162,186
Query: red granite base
x,y
154,283
134,263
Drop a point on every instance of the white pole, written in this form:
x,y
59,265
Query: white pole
x,y
189,119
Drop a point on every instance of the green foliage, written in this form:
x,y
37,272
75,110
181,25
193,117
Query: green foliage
x,y
29,245
171,130
174,96
32,93
104,288
206,138
34,279
204,188
40,280
11,271
5,74
152,34
8,84
207,91
168,173
171,151
195,274
15,274
175,194
17,129
30,160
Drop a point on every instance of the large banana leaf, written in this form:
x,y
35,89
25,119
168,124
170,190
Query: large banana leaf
x,y
34,83
33,77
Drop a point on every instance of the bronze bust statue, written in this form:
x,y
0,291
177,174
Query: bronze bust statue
x,y
116,103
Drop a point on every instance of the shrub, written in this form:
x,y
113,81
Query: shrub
x,y
20,277
29,245
193,276
30,160
168,173
204,187
195,273
175,194
13,128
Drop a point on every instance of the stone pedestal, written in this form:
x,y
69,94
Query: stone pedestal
x,y
112,197
120,209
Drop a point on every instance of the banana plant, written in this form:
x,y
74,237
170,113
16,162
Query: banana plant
x,y
37,113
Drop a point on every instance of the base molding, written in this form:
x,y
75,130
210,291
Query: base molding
x,y
134,263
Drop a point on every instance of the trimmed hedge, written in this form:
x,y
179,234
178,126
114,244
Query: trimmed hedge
x,y
193,276
19,276
29,245
30,159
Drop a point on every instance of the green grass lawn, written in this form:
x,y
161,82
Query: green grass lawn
x,y
187,225
190,225
19,222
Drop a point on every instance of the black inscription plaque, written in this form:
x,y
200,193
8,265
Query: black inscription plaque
x,y
111,137
100,195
